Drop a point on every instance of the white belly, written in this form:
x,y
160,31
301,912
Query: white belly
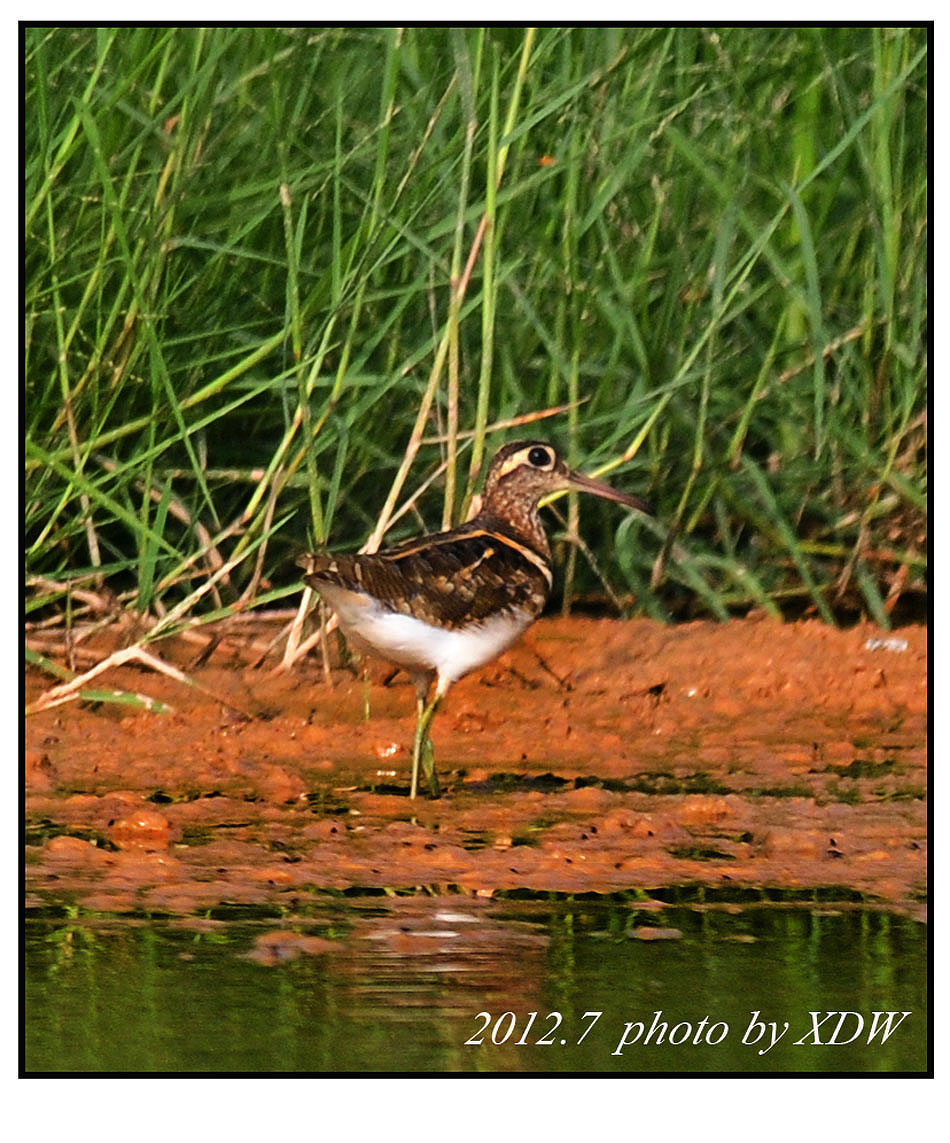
x,y
411,643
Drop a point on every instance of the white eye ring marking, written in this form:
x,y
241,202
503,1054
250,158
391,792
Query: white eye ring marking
x,y
540,457
543,463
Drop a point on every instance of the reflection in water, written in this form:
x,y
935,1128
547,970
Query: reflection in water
x,y
459,984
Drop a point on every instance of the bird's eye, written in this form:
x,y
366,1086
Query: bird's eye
x,y
539,457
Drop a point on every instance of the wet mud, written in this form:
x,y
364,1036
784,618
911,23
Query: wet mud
x,y
746,760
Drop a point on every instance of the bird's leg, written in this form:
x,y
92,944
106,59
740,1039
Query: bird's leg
x,y
427,751
422,750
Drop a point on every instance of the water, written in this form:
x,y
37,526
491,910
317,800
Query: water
x,y
422,984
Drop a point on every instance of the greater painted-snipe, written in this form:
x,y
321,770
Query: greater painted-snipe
x,y
444,604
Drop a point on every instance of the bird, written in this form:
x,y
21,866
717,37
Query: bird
x,y
444,604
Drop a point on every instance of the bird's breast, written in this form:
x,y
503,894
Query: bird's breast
x,y
416,644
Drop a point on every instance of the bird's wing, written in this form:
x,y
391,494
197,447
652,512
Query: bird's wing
x,y
452,578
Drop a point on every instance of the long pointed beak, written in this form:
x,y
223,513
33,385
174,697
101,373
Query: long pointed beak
x,y
598,488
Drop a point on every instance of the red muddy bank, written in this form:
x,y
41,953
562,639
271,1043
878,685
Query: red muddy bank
x,y
596,756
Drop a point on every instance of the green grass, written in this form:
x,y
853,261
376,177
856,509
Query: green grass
x,y
284,285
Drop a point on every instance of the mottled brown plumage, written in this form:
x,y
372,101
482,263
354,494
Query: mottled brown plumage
x,y
451,579
447,603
